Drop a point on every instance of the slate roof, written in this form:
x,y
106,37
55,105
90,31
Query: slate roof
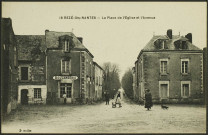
x,y
26,43
52,40
170,43
95,63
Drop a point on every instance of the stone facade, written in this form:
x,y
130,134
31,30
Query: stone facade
x,y
32,69
171,67
54,64
134,83
67,56
99,73
9,67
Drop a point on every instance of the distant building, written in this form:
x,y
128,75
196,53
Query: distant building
x,y
99,73
32,69
171,67
9,67
134,83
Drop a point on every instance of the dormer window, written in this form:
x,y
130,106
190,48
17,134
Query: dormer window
x,y
160,44
181,45
184,45
66,45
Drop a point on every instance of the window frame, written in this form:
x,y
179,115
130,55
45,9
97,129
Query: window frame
x,y
189,84
164,60
37,93
65,65
183,67
66,45
168,90
65,86
27,73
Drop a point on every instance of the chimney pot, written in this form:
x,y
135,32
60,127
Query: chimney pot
x,y
169,33
46,30
189,37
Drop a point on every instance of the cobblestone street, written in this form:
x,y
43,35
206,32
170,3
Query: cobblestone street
x,y
101,118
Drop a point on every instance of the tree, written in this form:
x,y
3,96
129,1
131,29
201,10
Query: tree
x,y
126,82
111,78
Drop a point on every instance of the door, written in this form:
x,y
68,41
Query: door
x,y
66,88
24,97
164,90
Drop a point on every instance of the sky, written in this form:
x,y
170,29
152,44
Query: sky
x,y
111,40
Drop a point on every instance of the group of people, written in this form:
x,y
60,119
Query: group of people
x,y
116,97
147,99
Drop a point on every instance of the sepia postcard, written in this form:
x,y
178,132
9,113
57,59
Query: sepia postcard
x,y
103,67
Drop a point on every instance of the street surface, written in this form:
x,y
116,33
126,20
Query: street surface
x,y
101,118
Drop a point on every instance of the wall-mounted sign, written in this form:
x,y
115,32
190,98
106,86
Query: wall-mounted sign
x,y
65,77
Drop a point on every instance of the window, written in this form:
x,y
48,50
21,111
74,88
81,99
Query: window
x,y
163,45
184,66
65,88
164,89
24,73
184,45
163,66
66,66
15,59
185,88
37,93
66,45
160,44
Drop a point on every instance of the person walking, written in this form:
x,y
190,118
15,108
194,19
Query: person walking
x,y
107,96
148,99
64,96
118,99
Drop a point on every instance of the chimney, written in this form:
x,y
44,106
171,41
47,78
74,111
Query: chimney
x,y
189,37
169,33
46,30
80,39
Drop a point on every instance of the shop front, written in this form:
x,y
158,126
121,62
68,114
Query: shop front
x,y
65,86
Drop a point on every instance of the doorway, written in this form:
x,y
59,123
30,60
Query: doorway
x,y
24,97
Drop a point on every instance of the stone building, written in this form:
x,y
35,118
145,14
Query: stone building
x,y
134,83
205,77
39,69
171,67
9,67
32,69
99,73
69,68
54,64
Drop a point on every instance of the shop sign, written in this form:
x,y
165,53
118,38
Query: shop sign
x,y
65,77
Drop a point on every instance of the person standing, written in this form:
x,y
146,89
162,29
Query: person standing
x,y
64,96
148,99
107,96
118,100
